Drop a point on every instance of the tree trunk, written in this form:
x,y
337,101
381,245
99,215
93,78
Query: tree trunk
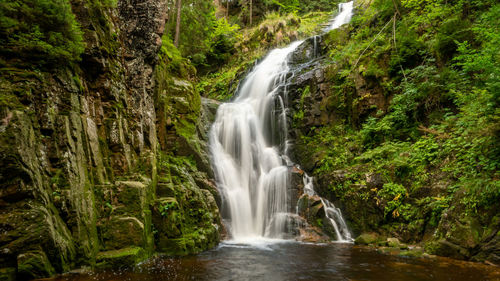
x,y
251,11
227,10
178,23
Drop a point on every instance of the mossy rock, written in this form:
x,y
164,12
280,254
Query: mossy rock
x,y
8,274
366,239
165,190
413,253
34,265
447,249
122,258
389,250
394,243
174,247
128,194
120,232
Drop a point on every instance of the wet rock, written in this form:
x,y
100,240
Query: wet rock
x,y
32,265
394,243
122,258
309,207
447,249
295,189
366,239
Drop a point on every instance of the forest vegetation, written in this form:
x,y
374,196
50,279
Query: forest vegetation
x,y
106,108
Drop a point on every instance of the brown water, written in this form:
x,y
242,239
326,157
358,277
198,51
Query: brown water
x,y
297,261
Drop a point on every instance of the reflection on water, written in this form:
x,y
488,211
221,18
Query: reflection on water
x,y
296,261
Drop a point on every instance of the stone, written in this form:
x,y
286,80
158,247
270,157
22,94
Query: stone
x,y
86,127
366,239
122,258
414,253
374,180
394,242
446,248
121,232
32,265
8,274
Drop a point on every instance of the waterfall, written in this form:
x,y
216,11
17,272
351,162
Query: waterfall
x,y
332,213
344,16
247,141
249,146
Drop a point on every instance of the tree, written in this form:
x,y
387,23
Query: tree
x,y
178,23
251,11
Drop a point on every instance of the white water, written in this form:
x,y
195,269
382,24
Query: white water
x,y
332,213
248,145
344,16
249,169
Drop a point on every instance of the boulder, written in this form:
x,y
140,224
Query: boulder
x,y
122,258
366,239
394,243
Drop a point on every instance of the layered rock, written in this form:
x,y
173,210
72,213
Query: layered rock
x,y
84,176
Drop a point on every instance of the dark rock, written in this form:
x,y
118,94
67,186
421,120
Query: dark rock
x,y
8,274
374,180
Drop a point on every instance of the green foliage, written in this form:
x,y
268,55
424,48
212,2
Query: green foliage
x,y
434,143
287,6
174,63
40,32
248,45
197,24
166,207
394,194
222,41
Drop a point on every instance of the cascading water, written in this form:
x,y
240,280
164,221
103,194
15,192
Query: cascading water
x,y
332,213
249,150
344,16
246,142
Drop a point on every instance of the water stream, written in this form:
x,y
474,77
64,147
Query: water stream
x,y
249,148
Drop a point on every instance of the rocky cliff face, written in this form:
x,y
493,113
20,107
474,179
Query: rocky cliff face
x,y
84,179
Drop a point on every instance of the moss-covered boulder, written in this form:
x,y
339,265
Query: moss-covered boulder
x,y
395,243
121,258
32,265
366,239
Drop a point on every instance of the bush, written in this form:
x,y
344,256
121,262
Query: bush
x,y
40,32
222,41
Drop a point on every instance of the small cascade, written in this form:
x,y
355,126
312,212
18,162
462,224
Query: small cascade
x,y
344,16
332,213
316,52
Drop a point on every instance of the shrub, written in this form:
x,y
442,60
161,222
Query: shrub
x,y
41,32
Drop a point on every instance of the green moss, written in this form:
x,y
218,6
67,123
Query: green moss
x,y
122,258
34,265
40,32
412,253
8,274
366,239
